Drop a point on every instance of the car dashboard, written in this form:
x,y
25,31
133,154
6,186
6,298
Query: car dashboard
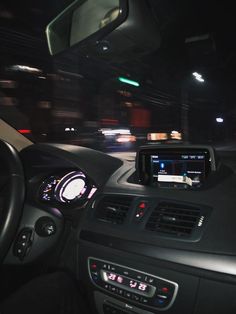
x,y
138,248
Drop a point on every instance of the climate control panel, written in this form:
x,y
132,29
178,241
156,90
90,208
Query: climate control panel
x,y
131,284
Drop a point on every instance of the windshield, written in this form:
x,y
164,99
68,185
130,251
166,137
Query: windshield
x,y
184,92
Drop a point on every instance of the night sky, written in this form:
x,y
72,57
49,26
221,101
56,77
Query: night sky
x,y
165,75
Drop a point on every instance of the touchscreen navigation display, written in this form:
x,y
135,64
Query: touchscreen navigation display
x,y
175,167
189,169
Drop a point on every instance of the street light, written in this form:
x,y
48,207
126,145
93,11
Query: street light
x,y
198,77
219,120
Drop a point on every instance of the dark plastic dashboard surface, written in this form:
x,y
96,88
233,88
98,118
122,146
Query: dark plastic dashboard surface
x,y
96,165
211,253
218,194
111,176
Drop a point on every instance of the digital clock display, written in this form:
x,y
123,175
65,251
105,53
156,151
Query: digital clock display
x,y
128,283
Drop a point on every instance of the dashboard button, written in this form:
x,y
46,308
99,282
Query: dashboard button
x,y
143,300
160,296
136,298
93,266
141,210
127,294
45,227
160,302
113,289
165,290
120,291
150,280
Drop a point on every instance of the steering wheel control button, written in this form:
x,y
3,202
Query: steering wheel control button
x,y
23,243
45,227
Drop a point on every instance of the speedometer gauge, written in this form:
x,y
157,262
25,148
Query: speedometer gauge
x,y
71,187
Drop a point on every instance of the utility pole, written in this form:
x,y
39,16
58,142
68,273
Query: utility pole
x,y
185,113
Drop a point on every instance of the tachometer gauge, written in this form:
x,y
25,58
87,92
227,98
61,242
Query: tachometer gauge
x,y
72,187
47,188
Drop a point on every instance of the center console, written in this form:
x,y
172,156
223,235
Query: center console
x,y
131,284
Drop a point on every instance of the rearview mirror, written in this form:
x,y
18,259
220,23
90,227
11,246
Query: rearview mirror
x,y
104,27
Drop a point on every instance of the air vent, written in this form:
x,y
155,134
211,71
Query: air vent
x,y
174,219
113,209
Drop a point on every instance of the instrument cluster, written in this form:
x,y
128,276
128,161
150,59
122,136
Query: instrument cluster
x,y
71,188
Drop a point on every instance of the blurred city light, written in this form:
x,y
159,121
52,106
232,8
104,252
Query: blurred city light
x,y
70,129
219,120
125,138
24,68
175,135
8,84
111,132
24,131
157,136
128,81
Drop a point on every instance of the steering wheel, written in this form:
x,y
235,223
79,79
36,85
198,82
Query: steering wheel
x,y
11,195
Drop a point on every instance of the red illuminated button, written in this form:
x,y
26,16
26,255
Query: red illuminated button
x,y
141,210
165,290
94,266
142,205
